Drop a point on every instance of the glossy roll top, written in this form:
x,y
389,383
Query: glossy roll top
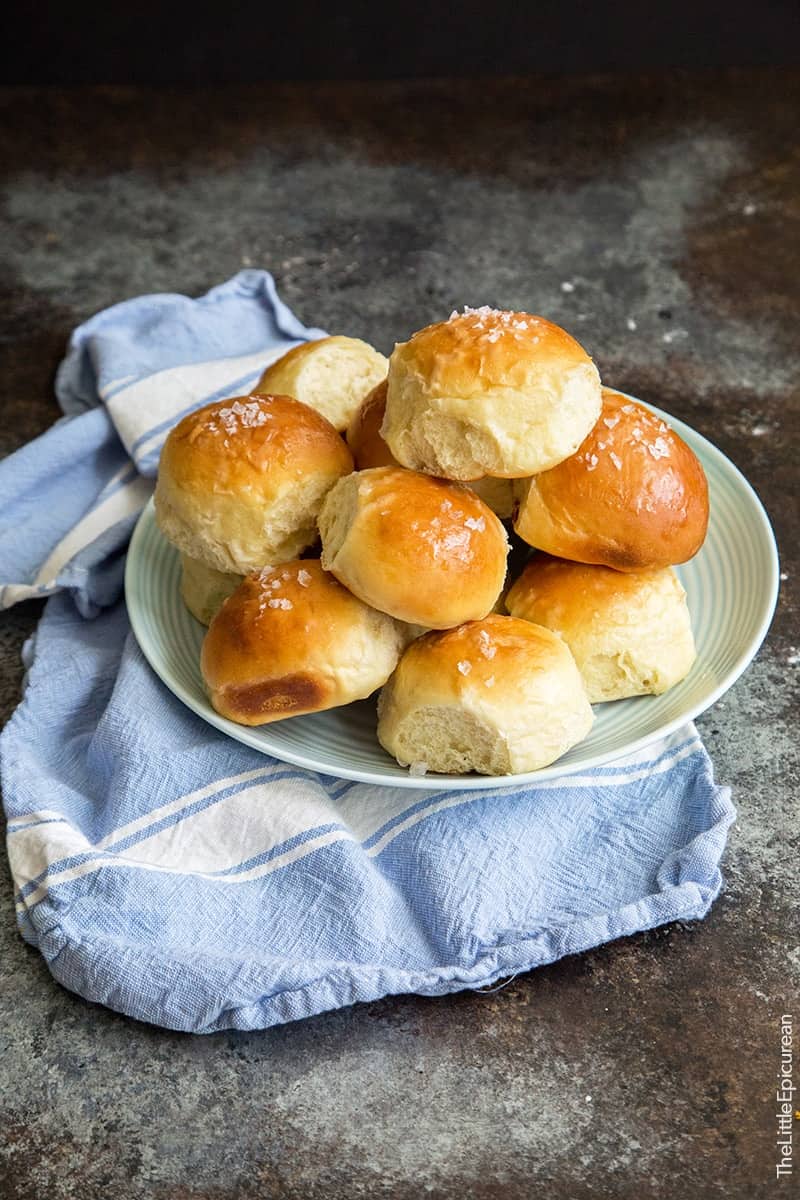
x,y
424,550
634,496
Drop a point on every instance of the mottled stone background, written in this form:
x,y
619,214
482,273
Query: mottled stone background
x,y
657,218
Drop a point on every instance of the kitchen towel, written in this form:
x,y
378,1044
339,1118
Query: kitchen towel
x,y
177,876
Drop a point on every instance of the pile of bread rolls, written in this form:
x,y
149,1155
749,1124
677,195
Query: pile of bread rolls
x,y
328,566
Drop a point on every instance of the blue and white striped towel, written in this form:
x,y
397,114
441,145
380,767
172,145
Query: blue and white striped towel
x,y
177,876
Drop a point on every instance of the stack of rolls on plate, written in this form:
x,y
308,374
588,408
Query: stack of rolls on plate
x,y
341,532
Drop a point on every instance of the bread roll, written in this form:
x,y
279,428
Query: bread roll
x,y
424,550
332,375
497,696
489,393
292,640
370,450
633,497
204,589
241,481
630,634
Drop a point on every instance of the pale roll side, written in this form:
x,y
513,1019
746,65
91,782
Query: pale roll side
x,y
204,589
370,450
630,634
331,375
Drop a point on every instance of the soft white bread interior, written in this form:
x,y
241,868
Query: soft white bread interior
x,y
204,589
241,482
332,375
489,393
370,450
630,634
292,640
422,549
497,696
633,497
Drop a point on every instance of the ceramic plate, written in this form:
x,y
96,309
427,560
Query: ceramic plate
x,y
731,585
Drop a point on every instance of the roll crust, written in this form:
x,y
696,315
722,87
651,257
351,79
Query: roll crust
x,y
364,432
241,482
331,375
633,497
370,450
292,640
489,393
630,634
425,550
498,696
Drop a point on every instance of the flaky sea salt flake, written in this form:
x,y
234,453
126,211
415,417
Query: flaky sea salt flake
x,y
658,448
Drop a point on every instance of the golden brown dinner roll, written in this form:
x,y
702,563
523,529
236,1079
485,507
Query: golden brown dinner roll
x,y
292,640
630,634
332,375
241,481
370,450
489,393
424,550
497,696
633,497
204,589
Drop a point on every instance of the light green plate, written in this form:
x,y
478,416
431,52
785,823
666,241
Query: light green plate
x,y
731,585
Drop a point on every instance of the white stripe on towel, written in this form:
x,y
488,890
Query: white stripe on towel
x,y
124,502
201,842
145,405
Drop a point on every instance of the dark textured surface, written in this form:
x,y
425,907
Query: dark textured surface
x,y
668,207
91,42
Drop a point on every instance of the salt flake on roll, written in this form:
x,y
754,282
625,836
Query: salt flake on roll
x,y
489,392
